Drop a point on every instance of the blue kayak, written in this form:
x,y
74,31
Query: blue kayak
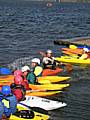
x,y
5,71
83,46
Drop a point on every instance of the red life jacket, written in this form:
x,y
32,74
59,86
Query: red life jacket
x,y
18,94
26,84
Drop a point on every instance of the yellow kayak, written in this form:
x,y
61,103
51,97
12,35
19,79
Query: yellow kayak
x,y
52,79
42,93
48,86
41,80
73,60
37,116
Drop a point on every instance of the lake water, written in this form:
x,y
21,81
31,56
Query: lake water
x,y
28,27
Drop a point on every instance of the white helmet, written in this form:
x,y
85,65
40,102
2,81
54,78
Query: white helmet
x,y
86,49
36,60
25,68
49,51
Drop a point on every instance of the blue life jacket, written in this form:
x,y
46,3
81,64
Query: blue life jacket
x,y
9,104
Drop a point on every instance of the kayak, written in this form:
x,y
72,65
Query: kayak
x,y
7,77
75,51
33,115
48,86
43,86
50,72
46,104
42,93
83,46
42,80
52,79
73,60
5,71
70,54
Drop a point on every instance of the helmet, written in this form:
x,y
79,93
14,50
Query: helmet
x,y
25,68
6,90
18,80
18,73
49,51
86,49
36,60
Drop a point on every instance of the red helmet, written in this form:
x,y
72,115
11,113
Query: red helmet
x,y
18,73
18,80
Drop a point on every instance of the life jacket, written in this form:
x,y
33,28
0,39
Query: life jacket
x,y
19,91
38,71
10,104
25,83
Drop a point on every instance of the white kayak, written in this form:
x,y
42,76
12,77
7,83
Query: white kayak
x,y
46,104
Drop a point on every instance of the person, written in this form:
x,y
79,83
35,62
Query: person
x,y
8,102
17,73
28,75
36,67
19,79
85,54
48,60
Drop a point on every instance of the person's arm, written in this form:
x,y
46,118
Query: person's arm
x,y
83,57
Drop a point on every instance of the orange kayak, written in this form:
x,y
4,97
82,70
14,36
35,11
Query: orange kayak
x,y
50,72
68,53
74,51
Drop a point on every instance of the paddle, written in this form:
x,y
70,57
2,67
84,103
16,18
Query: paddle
x,y
68,66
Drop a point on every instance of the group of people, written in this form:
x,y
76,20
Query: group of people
x,y
10,96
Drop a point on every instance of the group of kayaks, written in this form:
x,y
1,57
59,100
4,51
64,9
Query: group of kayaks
x,y
72,56
48,86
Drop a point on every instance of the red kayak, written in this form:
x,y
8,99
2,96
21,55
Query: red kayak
x,y
50,72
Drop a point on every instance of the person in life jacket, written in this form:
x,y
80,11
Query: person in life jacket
x,y
85,54
17,75
8,102
49,60
36,68
28,75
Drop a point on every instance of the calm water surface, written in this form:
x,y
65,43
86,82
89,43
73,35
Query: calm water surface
x,y
28,27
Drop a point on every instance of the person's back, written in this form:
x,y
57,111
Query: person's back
x,y
8,101
31,78
10,105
